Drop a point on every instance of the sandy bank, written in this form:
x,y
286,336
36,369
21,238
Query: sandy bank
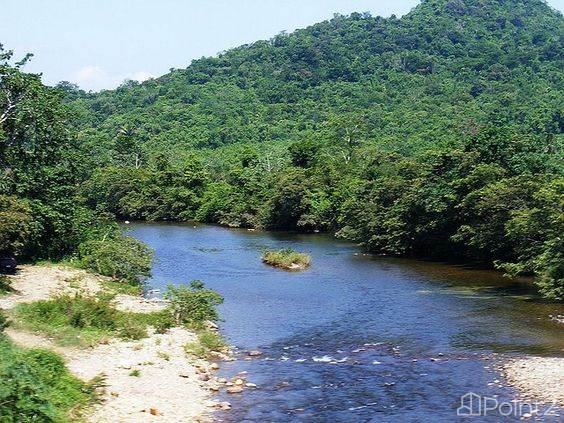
x,y
147,380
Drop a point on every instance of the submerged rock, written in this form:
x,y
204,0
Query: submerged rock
x,y
225,405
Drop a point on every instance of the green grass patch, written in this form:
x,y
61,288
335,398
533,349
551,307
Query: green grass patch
x,y
160,320
80,320
286,258
123,287
207,343
35,386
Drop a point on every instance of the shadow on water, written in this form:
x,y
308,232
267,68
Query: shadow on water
x,y
356,337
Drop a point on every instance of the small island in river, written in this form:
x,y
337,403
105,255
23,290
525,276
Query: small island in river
x,y
287,259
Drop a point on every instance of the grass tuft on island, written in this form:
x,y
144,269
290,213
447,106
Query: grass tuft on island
x,y
286,258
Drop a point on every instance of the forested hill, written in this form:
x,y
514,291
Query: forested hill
x,y
427,78
438,134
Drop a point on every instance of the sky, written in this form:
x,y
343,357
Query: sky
x,y
97,44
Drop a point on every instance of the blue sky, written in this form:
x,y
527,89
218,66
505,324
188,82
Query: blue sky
x,y
99,43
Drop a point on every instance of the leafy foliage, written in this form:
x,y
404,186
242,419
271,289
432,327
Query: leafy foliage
x,y
35,386
121,257
194,304
437,134
207,343
41,215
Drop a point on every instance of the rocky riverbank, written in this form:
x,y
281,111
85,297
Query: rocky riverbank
x,y
539,379
144,379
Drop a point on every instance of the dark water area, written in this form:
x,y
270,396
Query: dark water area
x,y
355,338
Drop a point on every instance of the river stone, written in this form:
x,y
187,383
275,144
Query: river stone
x,y
234,390
225,405
255,353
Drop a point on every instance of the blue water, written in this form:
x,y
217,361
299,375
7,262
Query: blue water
x,y
355,338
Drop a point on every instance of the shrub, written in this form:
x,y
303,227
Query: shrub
x,y
131,328
15,224
35,386
212,341
207,343
161,320
286,258
192,305
121,257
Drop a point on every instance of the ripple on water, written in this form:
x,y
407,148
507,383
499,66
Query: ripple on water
x,y
356,338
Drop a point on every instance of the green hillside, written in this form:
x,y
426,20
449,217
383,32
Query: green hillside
x,y
437,134
427,78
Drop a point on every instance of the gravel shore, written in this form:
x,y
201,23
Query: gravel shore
x,y
537,378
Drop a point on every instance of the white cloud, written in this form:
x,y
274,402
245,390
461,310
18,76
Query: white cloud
x,y
90,77
142,76
95,78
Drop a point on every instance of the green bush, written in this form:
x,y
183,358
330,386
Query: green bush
x,y
161,320
207,343
129,327
211,340
35,387
121,257
15,224
192,305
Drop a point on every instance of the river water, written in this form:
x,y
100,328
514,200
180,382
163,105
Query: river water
x,y
355,338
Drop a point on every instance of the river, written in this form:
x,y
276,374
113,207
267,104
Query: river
x,y
355,338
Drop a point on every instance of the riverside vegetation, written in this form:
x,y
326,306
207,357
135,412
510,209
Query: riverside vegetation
x,y
42,216
44,390
35,386
286,258
437,135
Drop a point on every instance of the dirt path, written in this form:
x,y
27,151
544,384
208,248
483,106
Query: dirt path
x,y
150,380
